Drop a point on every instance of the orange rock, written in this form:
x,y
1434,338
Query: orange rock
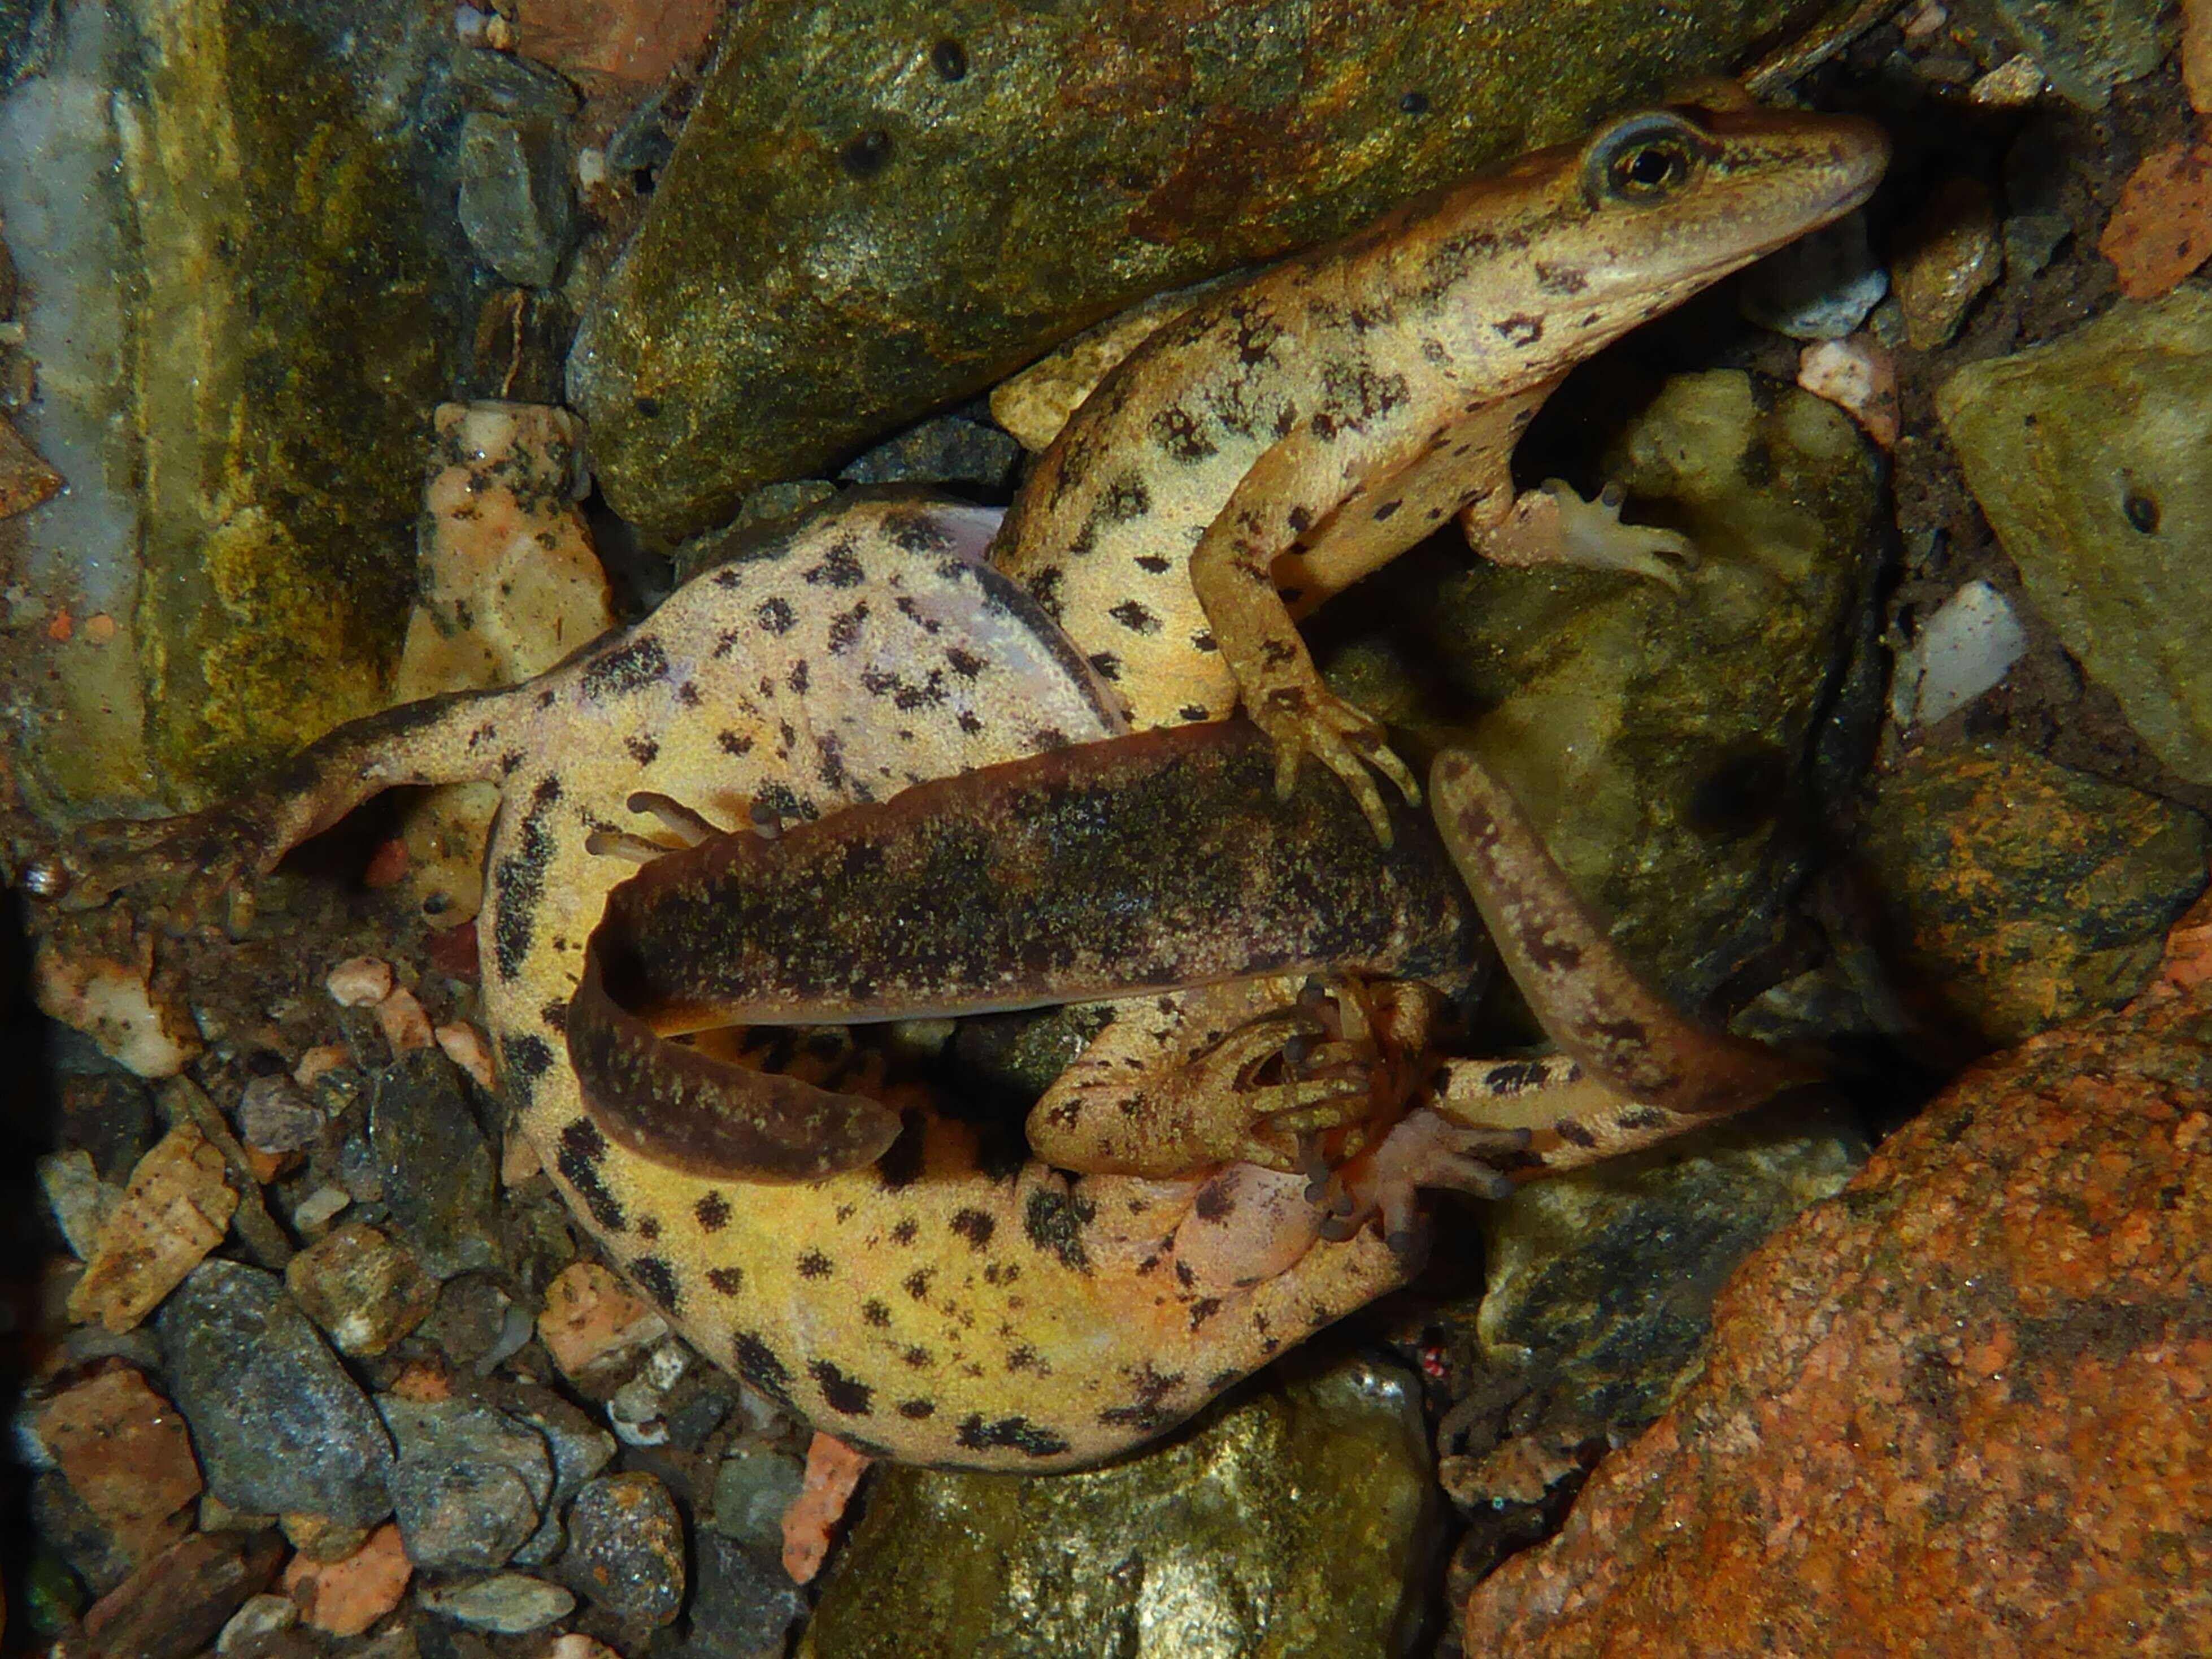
x,y
635,40
2161,230
359,981
176,1210
99,628
1958,1409
591,1319
832,1470
405,1026
346,1597
124,1450
322,1058
25,480
1858,376
466,1047
2196,54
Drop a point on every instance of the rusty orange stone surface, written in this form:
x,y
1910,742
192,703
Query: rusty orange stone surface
x,y
124,1452
1963,1407
2161,228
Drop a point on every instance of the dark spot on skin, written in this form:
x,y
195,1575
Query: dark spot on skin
x,y
866,154
1044,588
556,1016
1203,640
1125,498
845,628
798,676
815,1265
1520,329
916,1284
1108,664
626,668
1560,279
1054,1222
840,568
875,1312
774,616
841,1392
1386,510
712,1212
734,743
727,1280
918,1358
1203,1309
643,751
950,59
2142,511
758,1364
1184,1276
648,1227
656,1278
519,881
906,1231
689,694
1009,1434
966,664
547,699
1642,1117
970,721
1573,1134
1512,1076
1300,520
1146,1412
917,1409
1214,1202
1025,1358
973,1226
1134,617
1194,712
831,767
1175,430
1153,564
582,1147
526,1057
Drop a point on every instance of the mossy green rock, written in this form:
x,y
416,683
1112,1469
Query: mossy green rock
x,y
2088,457
2022,893
1668,743
1300,1520
875,209
291,355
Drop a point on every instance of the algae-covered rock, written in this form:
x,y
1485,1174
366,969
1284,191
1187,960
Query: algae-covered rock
x,y
1667,741
878,208
2087,456
2022,893
1299,1521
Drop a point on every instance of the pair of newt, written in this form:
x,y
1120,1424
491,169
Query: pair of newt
x,y
905,1284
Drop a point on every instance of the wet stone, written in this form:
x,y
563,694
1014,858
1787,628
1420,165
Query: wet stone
x,y
696,1407
508,1603
83,1548
753,1487
581,1449
742,1608
125,1455
2084,47
502,83
2022,893
470,1484
178,1602
626,1548
278,1425
1820,287
471,1318
516,204
2087,457
275,1115
435,1171
364,1287
1952,254
947,450
1298,1522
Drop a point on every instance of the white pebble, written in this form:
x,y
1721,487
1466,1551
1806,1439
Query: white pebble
x,y
1966,647
359,982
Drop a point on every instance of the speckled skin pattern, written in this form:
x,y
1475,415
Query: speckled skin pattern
x,y
954,1303
1295,431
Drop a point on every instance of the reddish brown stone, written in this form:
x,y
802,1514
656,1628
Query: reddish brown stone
x,y
1961,1408
174,1604
2161,230
124,1451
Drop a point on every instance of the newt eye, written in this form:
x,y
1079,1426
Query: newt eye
x,y
1642,158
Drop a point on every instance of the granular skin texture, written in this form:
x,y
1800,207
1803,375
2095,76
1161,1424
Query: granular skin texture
x,y
1961,1408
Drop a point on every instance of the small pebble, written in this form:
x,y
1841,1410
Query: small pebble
x,y
315,1210
405,1026
260,1615
364,1287
471,1483
2013,83
80,1200
1858,376
466,1047
346,1597
125,1453
359,982
113,1003
508,1603
1954,256
176,1209
275,1115
1820,287
1965,649
576,1645
2162,229
432,1165
626,1548
832,1470
320,1061
591,1320
753,1488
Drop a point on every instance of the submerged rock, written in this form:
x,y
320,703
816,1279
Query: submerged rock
x,y
2087,456
1957,1410
875,210
1299,1521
